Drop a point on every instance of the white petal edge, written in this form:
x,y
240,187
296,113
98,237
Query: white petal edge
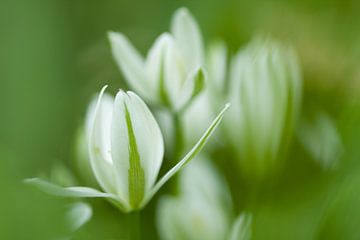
x,y
154,65
130,62
102,169
120,145
187,35
241,228
165,218
75,192
188,157
174,73
217,66
78,214
193,86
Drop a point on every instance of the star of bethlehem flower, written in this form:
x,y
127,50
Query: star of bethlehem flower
x,y
172,73
202,209
126,150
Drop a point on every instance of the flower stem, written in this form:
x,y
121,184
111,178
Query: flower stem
x,y
133,228
178,137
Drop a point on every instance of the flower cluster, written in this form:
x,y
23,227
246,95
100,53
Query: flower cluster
x,y
124,141
173,71
122,144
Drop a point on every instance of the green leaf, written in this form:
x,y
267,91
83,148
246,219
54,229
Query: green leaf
x,y
74,192
189,156
57,190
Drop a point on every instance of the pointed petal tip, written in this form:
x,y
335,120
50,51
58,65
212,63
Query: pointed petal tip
x,y
121,94
116,36
102,91
165,35
182,11
180,15
112,34
131,94
29,180
128,93
165,38
104,87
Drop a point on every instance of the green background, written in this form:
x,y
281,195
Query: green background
x,y
54,55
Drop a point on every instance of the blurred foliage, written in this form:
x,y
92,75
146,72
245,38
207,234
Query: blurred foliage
x,y
55,55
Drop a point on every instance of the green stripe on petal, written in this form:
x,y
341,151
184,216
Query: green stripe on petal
x,y
136,172
162,91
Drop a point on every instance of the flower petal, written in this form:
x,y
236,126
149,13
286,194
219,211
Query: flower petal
x,y
155,66
168,214
174,74
130,62
137,146
193,86
75,192
188,37
189,156
191,217
202,179
100,147
217,63
78,214
320,138
196,117
104,120
241,228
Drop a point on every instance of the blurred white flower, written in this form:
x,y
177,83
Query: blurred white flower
x,y
321,139
202,110
78,214
202,210
82,163
172,72
126,151
265,90
217,68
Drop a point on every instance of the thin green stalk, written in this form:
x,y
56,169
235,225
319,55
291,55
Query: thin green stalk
x,y
179,141
133,221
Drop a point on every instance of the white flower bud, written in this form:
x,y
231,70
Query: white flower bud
x,y
126,151
265,88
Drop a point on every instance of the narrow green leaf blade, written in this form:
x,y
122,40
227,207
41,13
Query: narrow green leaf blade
x,y
189,156
76,192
